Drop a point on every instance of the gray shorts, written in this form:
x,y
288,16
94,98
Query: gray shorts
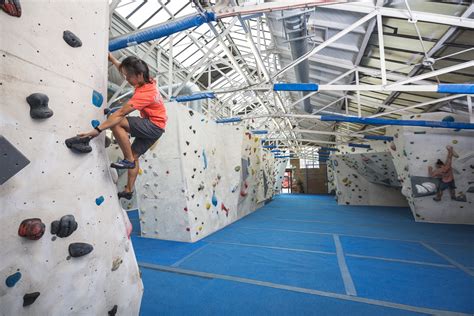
x,y
447,185
145,132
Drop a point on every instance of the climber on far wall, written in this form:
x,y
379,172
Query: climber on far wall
x,y
146,129
445,172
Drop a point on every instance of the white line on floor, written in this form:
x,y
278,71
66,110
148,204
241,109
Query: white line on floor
x,y
346,275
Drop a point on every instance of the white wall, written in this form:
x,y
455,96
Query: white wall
x,y
177,188
58,182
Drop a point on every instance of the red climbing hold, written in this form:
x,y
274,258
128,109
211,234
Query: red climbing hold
x,y
31,228
225,209
12,7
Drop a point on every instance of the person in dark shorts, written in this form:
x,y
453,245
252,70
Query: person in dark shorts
x,y
146,129
444,171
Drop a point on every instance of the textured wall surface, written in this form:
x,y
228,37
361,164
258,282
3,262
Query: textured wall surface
x,y
366,179
416,148
200,177
43,273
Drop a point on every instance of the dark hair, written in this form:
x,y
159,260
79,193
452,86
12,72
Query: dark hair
x,y
136,66
439,162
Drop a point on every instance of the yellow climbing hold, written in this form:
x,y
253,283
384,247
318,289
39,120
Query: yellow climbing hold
x,y
140,171
208,206
455,141
200,228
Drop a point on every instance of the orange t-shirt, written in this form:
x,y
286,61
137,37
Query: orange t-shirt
x,y
147,99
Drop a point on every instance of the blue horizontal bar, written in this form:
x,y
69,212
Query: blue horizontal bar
x,y
380,121
275,150
259,132
456,88
229,120
359,145
378,137
195,96
161,30
329,149
269,146
295,87
283,156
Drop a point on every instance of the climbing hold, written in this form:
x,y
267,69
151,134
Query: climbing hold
x,y
79,144
208,206
95,123
13,279
448,118
108,141
113,311
214,198
455,142
237,168
64,227
99,200
191,113
225,209
39,106
72,40
393,146
97,99
185,209
11,7
116,263
201,187
30,298
31,228
204,158
11,160
79,249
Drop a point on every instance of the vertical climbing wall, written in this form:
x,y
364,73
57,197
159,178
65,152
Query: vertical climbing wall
x,y
366,179
280,167
65,245
416,148
200,177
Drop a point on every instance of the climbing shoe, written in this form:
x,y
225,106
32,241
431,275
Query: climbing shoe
x,y
125,195
123,164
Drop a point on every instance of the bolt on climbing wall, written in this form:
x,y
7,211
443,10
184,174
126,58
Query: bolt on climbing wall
x,y
414,149
366,179
65,244
196,179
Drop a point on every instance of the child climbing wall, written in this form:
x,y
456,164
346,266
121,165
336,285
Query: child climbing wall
x,y
414,149
65,244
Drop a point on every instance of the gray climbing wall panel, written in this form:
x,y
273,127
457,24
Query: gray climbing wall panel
x,y
416,148
11,160
366,178
85,270
194,182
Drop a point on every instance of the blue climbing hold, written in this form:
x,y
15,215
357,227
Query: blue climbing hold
x,y
13,279
448,118
99,200
95,123
97,99
204,158
214,198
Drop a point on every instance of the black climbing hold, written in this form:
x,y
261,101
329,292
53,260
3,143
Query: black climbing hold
x,y
30,298
31,228
72,40
79,144
79,249
39,106
11,160
113,311
13,279
106,111
191,113
64,227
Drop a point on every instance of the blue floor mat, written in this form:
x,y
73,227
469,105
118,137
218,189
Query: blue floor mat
x,y
463,254
423,286
291,240
301,269
391,249
162,251
175,294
